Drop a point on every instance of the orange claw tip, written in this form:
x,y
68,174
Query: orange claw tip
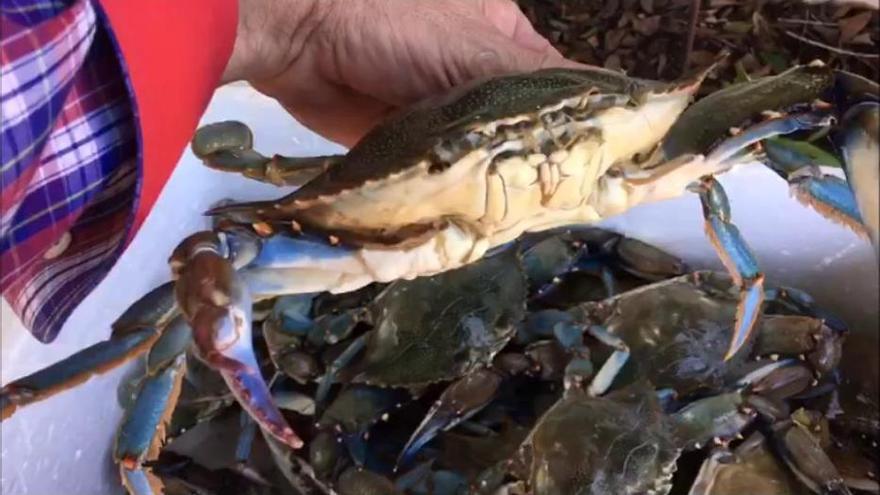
x,y
129,463
286,435
253,394
747,314
11,397
292,439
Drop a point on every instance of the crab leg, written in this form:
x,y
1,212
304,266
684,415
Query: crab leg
x,y
143,428
471,393
243,447
303,264
861,155
736,256
154,310
218,305
668,180
644,260
802,451
767,129
695,173
139,482
459,402
135,331
612,366
228,147
245,439
827,194
75,369
277,170
353,349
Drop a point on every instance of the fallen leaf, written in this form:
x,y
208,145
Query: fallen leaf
x,y
723,3
862,39
739,27
612,39
612,62
841,10
829,34
853,25
702,57
647,26
629,41
868,4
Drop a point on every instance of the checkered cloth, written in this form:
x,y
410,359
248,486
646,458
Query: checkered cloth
x,y
70,158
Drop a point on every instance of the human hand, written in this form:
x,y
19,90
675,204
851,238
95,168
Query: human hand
x,y
340,66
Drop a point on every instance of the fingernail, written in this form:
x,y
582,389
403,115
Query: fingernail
x,y
487,62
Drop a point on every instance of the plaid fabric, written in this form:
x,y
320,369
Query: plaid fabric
x,y
70,171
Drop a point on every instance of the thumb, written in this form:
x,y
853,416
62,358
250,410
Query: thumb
x,y
508,43
487,56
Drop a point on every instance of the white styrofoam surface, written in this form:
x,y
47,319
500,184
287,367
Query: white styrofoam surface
x,y
63,445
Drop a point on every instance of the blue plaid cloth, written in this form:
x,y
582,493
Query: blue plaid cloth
x,y
70,169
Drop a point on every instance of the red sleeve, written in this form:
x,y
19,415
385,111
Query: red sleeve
x,y
174,53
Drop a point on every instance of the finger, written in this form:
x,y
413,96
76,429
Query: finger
x,y
338,114
487,55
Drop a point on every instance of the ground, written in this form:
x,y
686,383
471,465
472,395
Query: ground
x,y
650,38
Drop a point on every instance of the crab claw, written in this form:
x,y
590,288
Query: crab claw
x,y
736,256
861,153
217,305
460,401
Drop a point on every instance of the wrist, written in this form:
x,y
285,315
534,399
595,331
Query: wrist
x,y
270,35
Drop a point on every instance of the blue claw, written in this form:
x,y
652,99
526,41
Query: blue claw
x,y
302,264
852,203
861,155
459,401
139,482
218,305
302,251
831,197
143,428
767,129
737,258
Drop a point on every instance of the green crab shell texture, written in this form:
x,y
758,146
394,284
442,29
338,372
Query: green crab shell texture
x,y
407,137
439,328
624,447
702,125
676,330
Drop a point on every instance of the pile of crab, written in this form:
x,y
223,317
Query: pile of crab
x,y
432,313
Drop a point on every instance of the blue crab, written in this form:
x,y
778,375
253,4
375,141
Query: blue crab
x,y
452,327
666,389
441,185
483,165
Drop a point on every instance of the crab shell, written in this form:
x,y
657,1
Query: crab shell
x,y
456,175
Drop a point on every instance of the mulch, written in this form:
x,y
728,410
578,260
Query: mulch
x,y
665,39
